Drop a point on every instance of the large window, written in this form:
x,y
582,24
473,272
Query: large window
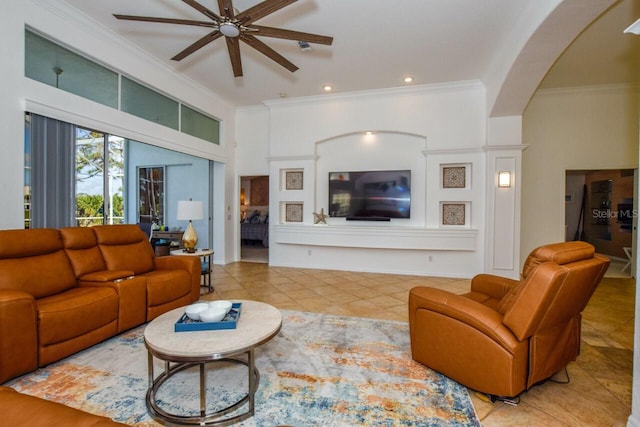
x,y
145,103
73,176
99,178
199,125
59,67
54,65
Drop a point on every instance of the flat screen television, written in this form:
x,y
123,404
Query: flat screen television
x,y
371,195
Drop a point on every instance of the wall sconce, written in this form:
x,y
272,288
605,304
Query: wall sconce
x,y
189,210
504,179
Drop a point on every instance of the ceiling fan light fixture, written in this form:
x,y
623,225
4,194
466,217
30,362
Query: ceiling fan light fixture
x,y
229,29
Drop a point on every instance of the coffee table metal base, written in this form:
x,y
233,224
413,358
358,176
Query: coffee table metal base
x,y
216,418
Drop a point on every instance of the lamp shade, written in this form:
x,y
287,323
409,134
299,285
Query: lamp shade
x,y
189,210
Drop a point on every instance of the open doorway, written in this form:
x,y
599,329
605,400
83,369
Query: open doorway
x,y
254,219
600,209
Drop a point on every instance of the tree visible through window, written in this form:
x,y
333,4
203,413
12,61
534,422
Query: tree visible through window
x,y
99,178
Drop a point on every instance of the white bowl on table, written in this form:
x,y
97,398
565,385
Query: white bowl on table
x,y
214,314
193,311
221,304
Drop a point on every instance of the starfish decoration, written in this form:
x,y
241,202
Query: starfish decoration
x,y
320,218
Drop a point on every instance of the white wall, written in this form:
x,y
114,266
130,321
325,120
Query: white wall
x,y
187,177
579,129
252,142
421,129
449,115
19,94
12,115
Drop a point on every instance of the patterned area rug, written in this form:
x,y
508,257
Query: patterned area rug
x,y
319,371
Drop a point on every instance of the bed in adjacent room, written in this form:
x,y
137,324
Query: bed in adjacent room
x,y
255,228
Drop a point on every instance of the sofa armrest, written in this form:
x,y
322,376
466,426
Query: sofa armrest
x,y
132,295
494,286
457,307
18,334
189,263
106,276
192,265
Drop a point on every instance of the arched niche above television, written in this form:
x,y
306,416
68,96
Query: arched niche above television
x,y
379,154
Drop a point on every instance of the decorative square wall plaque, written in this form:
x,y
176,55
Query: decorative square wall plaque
x,y
453,214
293,180
454,177
293,212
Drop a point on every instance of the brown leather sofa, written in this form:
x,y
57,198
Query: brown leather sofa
x,y
505,335
22,410
64,290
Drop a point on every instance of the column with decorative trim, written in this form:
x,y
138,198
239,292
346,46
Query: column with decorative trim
x,y
503,189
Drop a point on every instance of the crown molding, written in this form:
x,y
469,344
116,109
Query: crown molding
x,y
605,88
292,158
519,147
364,94
470,150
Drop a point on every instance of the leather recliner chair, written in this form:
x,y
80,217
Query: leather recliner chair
x,y
505,336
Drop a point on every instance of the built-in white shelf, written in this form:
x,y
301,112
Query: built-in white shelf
x,y
377,237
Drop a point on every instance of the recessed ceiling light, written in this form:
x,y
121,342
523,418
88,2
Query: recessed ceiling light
x,y
327,88
368,132
408,79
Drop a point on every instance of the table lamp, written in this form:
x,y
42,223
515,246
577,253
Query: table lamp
x,y
189,210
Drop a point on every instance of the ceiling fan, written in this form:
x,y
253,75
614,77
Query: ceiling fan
x,y
235,27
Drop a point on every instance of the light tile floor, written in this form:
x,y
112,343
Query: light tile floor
x,y
599,393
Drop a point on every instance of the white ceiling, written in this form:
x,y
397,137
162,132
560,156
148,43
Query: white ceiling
x,y
376,43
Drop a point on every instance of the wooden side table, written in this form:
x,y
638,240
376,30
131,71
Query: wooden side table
x,y
205,265
175,237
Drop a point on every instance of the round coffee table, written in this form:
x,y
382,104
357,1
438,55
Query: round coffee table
x,y
258,323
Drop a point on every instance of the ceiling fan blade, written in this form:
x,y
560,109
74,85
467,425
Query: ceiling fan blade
x,y
226,9
261,10
166,20
197,45
291,35
267,51
200,8
233,45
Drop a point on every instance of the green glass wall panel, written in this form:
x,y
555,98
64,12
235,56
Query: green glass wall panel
x,y
199,125
145,103
56,66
